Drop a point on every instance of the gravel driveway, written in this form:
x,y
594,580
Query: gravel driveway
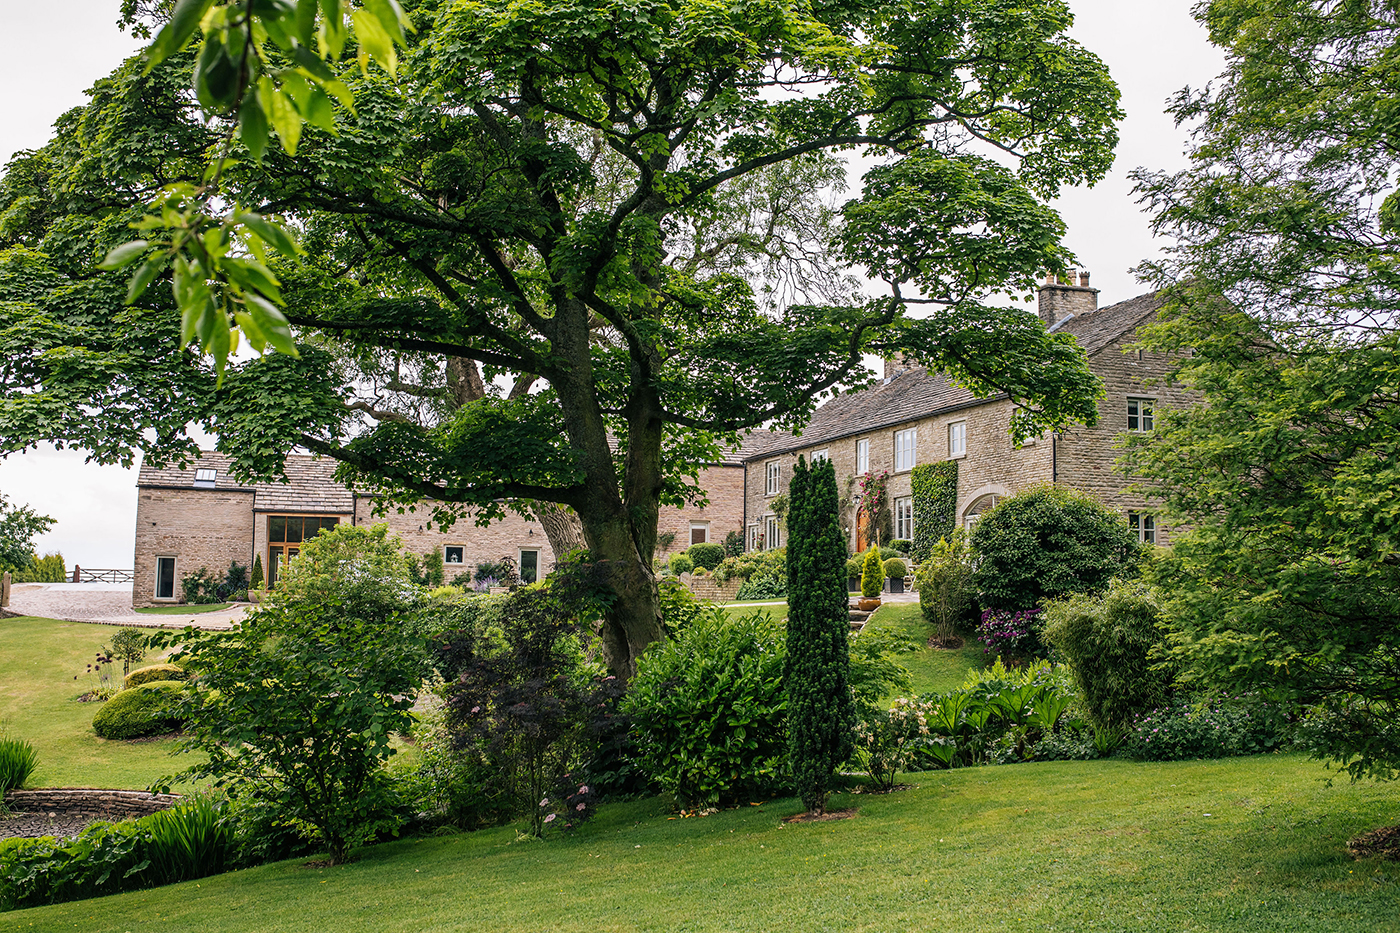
x,y
105,604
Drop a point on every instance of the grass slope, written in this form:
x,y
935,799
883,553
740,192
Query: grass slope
x,y
932,670
1249,844
38,661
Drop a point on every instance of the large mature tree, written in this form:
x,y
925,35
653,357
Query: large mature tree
x,y
570,249
1285,289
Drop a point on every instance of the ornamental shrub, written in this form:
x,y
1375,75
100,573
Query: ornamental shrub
x,y
753,563
1048,542
935,494
706,555
1011,634
853,567
47,569
901,546
154,673
1108,642
895,567
17,762
820,712
872,574
709,713
148,709
256,583
945,584
733,544
1218,727
681,563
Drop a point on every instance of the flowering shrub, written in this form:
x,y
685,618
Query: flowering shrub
x,y
1220,727
887,740
1008,634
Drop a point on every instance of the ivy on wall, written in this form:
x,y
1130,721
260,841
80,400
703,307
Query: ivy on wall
x,y
935,487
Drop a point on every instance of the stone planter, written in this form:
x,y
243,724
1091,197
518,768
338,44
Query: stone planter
x,y
256,596
868,604
894,584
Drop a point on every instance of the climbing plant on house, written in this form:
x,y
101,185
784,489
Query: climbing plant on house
x,y
935,488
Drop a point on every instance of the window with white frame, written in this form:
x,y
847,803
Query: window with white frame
x,y
699,532
1140,414
904,518
205,478
904,450
529,565
454,554
957,439
819,455
1143,526
165,578
754,537
770,532
773,473
862,457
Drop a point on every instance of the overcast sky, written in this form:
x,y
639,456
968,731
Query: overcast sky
x,y
55,50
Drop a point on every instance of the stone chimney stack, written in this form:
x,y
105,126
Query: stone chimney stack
x,y
895,365
1059,301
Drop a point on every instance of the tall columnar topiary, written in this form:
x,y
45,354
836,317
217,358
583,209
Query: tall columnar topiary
x,y
821,714
872,574
257,582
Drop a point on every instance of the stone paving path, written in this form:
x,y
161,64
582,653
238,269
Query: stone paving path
x,y
106,604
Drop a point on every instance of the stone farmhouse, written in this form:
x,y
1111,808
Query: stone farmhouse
x,y
915,417
196,516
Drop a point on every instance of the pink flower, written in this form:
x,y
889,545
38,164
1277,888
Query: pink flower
x,y
580,806
476,709
549,819
544,802
583,789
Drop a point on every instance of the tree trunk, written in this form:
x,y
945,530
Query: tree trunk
x,y
561,526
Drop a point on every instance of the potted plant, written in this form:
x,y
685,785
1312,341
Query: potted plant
x,y
872,579
895,571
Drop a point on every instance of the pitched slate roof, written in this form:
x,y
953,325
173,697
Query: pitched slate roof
x,y
1100,329
311,486
916,393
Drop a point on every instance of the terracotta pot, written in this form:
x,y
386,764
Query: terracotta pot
x,y
868,605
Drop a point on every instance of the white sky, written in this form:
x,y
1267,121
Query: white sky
x,y
53,51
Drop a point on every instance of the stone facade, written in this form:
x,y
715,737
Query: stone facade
x,y
198,517
939,413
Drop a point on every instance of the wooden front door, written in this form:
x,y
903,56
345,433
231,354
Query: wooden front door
x,y
862,531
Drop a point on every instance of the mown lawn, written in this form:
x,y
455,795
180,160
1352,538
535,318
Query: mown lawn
x,y
192,609
39,659
1252,844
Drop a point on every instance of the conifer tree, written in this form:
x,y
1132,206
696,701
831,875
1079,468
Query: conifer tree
x,y
821,713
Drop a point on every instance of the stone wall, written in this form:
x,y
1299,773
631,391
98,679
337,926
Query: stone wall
x,y
1086,457
724,484
709,588
198,527
504,538
990,464
90,802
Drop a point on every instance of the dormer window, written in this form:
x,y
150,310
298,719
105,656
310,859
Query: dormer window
x,y
205,478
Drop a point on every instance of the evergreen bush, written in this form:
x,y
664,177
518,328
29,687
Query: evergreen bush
x,y
154,673
820,711
901,546
1108,642
147,709
706,555
895,567
47,569
709,713
680,563
872,574
256,583
1048,542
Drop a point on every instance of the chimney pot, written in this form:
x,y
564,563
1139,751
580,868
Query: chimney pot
x,y
1061,300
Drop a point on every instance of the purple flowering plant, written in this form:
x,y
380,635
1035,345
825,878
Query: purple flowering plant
x,y
1010,634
